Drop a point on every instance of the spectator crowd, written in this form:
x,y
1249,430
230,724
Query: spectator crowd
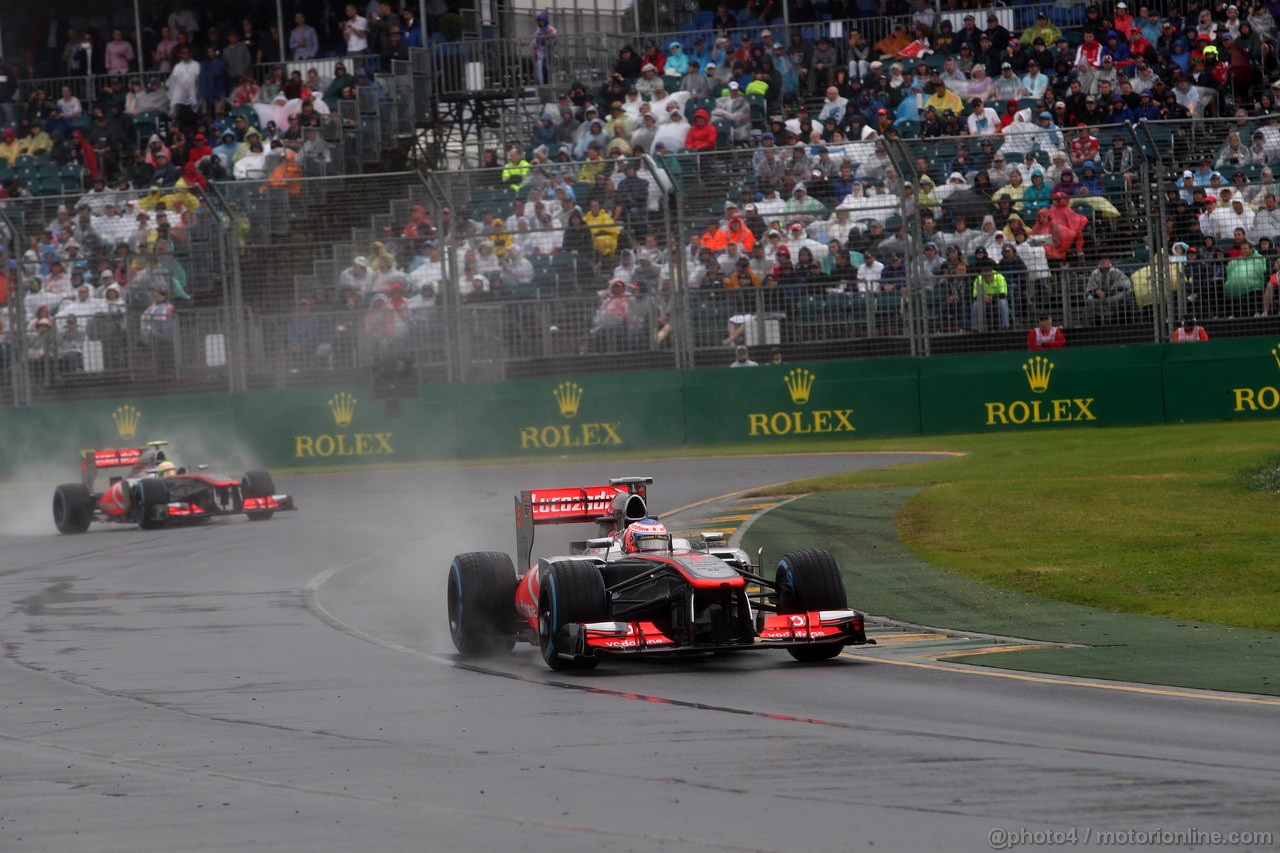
x,y
982,166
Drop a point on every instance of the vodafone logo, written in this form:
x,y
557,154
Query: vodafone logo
x,y
558,503
797,620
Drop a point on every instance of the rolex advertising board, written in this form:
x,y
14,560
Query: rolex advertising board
x,y
810,400
53,434
568,415
328,427
576,414
1223,379
1042,390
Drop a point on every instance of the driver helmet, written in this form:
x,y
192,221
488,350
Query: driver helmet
x,y
166,469
647,534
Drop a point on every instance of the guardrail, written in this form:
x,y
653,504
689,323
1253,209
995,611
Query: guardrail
x,y
253,250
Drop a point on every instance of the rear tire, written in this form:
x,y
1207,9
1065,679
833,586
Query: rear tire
x,y
811,580
258,484
149,493
572,591
481,600
72,508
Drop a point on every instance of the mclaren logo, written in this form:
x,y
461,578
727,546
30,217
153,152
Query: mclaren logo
x,y
126,418
799,384
1264,399
1038,370
568,397
342,406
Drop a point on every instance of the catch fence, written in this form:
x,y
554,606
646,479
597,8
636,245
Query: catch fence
x,y
278,298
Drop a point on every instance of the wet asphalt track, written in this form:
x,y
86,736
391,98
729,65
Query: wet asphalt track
x,y
290,686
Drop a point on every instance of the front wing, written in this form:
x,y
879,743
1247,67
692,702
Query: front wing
x,y
778,631
181,510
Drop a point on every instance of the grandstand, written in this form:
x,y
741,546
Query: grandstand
x,y
1113,169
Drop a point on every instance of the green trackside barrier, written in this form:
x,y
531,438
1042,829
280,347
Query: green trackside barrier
x,y
1038,390
345,426
568,415
573,414
1237,378
202,428
849,399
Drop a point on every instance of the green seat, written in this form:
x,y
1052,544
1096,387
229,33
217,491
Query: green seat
x,y
692,106
724,134
47,186
71,177
711,319
145,124
888,304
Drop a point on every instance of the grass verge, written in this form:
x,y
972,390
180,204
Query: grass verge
x,y
885,578
1170,521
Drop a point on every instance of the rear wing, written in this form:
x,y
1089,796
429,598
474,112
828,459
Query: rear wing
x,y
610,506
128,457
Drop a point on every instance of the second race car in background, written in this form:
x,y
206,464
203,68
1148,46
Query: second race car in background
x,y
155,492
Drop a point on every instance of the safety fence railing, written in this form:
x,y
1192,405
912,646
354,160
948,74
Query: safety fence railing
x,y
470,274
91,351
460,69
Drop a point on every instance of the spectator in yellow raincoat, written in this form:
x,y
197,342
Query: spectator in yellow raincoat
x,y
604,230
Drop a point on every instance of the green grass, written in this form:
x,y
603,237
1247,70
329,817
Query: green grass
x,y
1165,521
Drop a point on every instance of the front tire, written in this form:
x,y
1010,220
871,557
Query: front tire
x,y
258,484
72,508
481,600
811,580
572,591
148,494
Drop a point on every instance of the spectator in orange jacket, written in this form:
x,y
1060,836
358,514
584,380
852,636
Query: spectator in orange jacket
x,y
735,232
1046,335
702,135
1063,225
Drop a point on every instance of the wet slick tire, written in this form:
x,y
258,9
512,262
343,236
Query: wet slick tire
x,y
810,580
257,484
150,493
569,592
72,508
481,600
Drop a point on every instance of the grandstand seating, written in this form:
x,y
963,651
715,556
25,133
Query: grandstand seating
x,y
293,245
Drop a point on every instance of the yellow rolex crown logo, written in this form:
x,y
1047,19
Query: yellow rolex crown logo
x,y
126,418
568,397
1038,370
343,406
799,384
1275,353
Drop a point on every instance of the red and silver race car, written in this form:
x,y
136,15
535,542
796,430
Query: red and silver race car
x,y
680,597
155,492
